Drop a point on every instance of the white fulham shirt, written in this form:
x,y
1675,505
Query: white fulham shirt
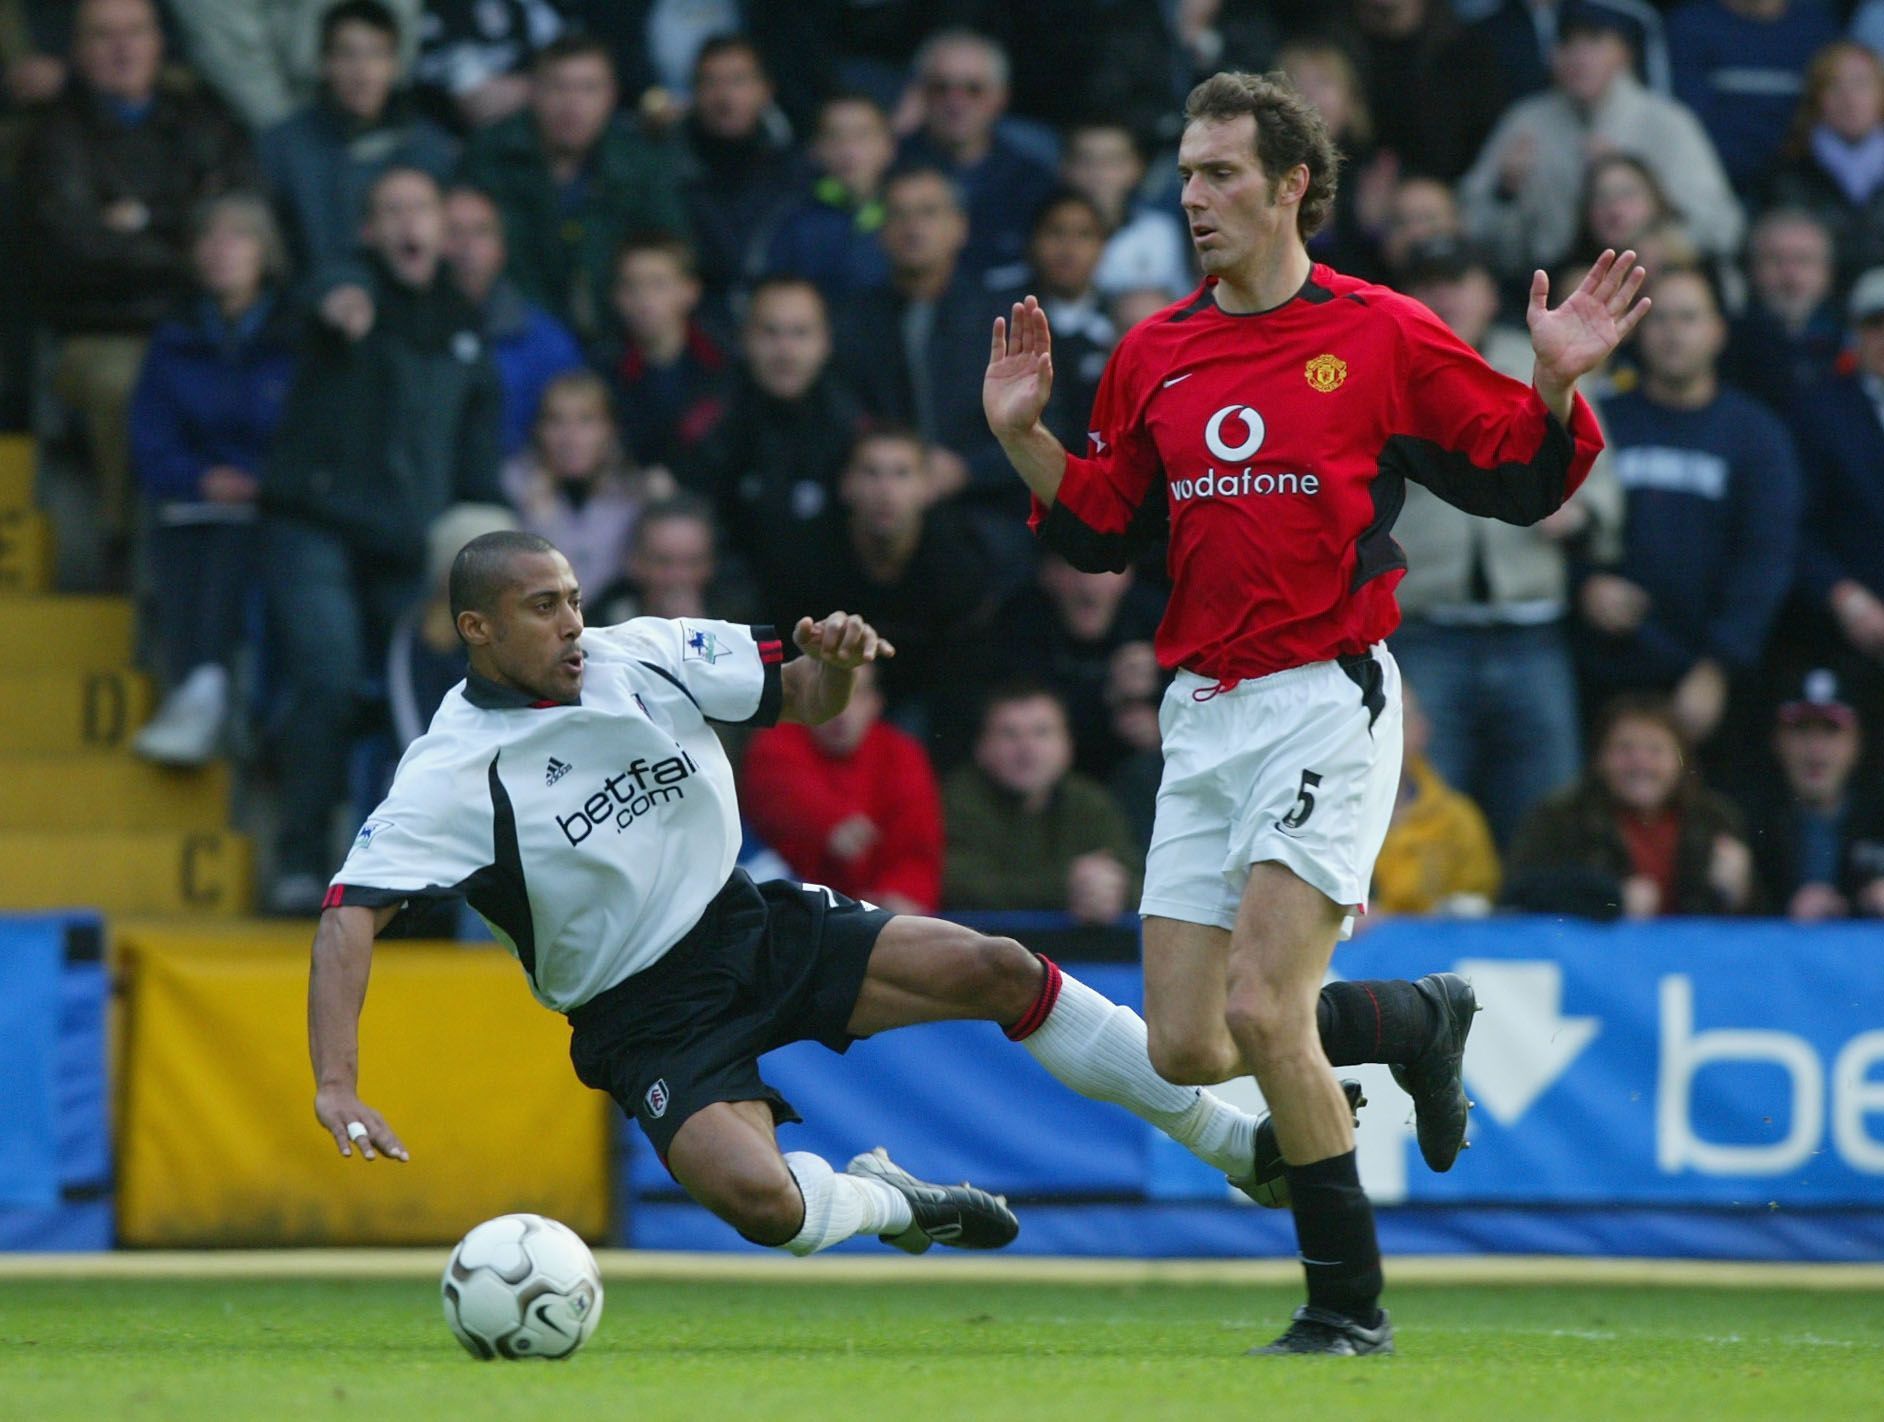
x,y
590,836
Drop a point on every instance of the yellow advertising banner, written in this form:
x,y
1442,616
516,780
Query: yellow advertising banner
x,y
218,1141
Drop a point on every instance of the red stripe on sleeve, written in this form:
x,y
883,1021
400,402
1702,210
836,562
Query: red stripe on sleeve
x,y
770,652
336,895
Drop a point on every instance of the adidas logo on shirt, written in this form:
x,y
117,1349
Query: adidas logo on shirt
x,y
557,770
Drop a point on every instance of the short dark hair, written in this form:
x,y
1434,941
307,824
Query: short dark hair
x,y
682,507
911,172
1703,274
1022,688
665,244
573,46
871,431
1290,132
481,571
732,42
1063,197
359,12
786,281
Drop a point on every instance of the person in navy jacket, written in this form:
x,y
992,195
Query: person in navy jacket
x,y
205,408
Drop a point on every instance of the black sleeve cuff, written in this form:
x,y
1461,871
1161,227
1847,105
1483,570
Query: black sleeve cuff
x,y
771,664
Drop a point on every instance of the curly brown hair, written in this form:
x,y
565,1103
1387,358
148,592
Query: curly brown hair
x,y
1289,133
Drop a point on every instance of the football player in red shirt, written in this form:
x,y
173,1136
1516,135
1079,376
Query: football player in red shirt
x,y
1265,426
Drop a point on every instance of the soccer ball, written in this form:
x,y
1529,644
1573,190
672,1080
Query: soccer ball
x,y
522,1286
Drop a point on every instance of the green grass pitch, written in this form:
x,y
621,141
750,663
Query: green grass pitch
x,y
278,1350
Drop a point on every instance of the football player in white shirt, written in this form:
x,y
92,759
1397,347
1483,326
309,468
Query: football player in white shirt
x,y
572,791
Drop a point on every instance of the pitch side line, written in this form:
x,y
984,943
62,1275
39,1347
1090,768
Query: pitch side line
x,y
628,1265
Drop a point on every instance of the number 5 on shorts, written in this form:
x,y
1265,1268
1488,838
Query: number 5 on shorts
x,y
1304,805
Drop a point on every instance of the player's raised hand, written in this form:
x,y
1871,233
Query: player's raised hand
x,y
348,1120
842,640
1593,320
1020,370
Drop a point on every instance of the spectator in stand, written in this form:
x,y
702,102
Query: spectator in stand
x,y
852,803
108,184
1135,686
1422,211
1834,160
1326,75
1638,836
265,60
1068,627
1146,246
1788,339
1738,64
1818,840
572,178
911,348
1438,856
1026,830
1520,197
1433,85
829,235
962,78
530,346
206,405
320,161
1062,256
1713,499
670,376
1622,203
771,465
919,572
424,656
475,56
575,485
1485,605
673,570
393,417
1840,426
738,170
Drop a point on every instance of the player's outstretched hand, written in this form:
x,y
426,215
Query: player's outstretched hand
x,y
1020,370
842,640
349,1119
1593,320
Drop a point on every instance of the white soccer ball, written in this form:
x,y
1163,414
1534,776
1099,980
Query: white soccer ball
x,y
522,1286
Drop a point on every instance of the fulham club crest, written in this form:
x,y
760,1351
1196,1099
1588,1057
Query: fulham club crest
x,y
657,1099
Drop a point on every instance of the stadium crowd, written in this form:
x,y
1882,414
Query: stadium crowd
x,y
313,292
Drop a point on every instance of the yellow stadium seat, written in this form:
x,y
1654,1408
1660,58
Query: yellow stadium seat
x,y
16,472
50,711
26,552
108,791
65,634
127,871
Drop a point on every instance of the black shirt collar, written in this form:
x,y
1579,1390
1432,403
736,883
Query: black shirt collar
x,y
489,695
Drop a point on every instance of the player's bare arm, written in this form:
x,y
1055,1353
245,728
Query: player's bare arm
x,y
1014,394
336,990
818,685
1578,336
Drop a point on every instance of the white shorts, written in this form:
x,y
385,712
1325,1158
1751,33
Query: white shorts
x,y
1301,767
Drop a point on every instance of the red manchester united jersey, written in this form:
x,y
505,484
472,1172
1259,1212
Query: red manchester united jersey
x,y
1274,449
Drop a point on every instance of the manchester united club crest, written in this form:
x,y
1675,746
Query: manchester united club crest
x,y
1326,372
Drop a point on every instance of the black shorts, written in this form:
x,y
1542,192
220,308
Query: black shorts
x,y
766,965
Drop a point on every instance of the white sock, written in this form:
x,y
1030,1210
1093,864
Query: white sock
x,y
840,1207
1100,1050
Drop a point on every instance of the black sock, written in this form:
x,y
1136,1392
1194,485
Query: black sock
x,y
1380,1021
1334,1224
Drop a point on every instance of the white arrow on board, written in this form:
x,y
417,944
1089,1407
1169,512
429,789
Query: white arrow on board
x,y
1522,1042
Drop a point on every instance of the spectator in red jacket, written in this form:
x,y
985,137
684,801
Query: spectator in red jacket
x,y
851,804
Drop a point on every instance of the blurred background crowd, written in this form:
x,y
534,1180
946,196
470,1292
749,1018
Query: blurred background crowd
x,y
300,295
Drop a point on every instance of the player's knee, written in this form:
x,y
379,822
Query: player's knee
x,y
1004,978
765,1207
1191,1060
1268,1027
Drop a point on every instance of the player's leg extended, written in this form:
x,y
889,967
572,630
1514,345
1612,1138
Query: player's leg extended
x,y
1279,953
928,970
726,1156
